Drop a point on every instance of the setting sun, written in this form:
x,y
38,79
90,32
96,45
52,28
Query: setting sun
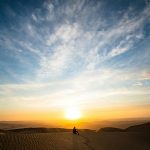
x,y
73,114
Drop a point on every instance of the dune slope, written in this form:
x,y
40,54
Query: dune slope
x,y
42,141
132,138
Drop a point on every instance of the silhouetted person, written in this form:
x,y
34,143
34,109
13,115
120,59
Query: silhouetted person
x,y
75,131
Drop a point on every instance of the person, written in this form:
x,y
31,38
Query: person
x,y
75,131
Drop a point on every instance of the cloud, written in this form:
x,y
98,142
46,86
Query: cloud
x,y
34,17
121,49
145,75
71,55
81,90
66,33
56,63
138,84
68,42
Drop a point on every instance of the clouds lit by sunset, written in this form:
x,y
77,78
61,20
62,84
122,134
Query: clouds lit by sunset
x,y
91,55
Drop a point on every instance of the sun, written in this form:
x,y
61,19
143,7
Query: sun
x,y
73,113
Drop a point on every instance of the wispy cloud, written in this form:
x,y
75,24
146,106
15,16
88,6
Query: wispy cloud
x,y
74,52
71,40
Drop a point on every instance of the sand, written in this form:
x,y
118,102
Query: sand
x,y
69,141
119,140
41,141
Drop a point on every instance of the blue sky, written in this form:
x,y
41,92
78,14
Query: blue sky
x,y
54,54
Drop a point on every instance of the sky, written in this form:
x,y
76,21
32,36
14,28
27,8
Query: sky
x,y
91,55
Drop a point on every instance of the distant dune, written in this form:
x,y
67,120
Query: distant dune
x,y
20,124
84,124
39,130
145,127
110,129
139,128
132,138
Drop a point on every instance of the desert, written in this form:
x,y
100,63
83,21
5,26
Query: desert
x,y
135,138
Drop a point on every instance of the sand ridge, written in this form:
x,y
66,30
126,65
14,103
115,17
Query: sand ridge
x,y
133,138
43,141
69,141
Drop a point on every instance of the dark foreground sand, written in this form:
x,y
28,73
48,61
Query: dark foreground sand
x,y
68,141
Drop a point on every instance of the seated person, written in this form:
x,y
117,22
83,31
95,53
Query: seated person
x,y
75,131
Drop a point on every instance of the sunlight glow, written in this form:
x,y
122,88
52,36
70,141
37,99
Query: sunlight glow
x,y
73,113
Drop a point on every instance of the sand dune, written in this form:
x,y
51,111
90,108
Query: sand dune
x,y
68,141
119,141
39,130
145,127
139,128
44,139
110,129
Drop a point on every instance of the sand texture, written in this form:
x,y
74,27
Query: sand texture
x,y
41,141
68,141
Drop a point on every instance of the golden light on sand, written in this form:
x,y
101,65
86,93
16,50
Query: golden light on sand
x,y
73,113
